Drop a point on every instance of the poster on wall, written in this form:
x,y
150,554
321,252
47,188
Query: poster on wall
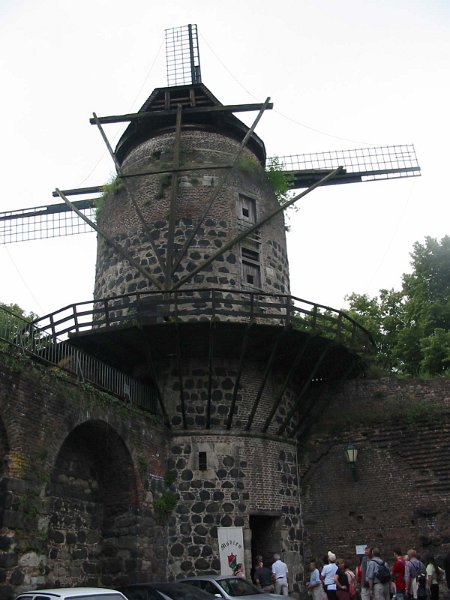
x,y
231,548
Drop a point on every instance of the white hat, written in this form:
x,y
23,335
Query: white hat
x,y
331,556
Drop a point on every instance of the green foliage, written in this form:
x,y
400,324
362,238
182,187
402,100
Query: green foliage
x,y
142,466
165,504
12,321
169,478
411,326
279,180
248,164
112,188
165,179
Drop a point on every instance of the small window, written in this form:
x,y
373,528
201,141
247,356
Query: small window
x,y
250,255
246,209
202,462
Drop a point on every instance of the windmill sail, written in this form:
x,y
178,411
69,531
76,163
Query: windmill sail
x,y
362,164
43,222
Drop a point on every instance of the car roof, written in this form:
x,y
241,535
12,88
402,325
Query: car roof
x,y
69,592
210,577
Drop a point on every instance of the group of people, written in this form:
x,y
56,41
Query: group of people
x,y
271,580
407,579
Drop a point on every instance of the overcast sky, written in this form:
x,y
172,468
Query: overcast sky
x,y
341,73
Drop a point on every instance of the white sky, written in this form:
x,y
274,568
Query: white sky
x,y
346,73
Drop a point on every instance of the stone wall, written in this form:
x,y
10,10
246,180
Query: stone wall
x,y
152,193
402,493
244,476
79,475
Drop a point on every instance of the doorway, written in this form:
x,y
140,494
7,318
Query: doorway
x,y
266,537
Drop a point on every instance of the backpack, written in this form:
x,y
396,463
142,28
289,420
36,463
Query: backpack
x,y
421,579
383,574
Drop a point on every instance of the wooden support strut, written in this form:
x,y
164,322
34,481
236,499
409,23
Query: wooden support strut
x,y
173,199
305,387
210,368
151,364
313,404
180,375
218,190
110,241
258,225
288,377
264,379
239,373
131,197
159,114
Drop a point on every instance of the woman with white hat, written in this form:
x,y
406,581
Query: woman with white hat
x,y
327,576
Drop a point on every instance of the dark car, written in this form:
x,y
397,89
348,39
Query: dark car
x,y
231,588
164,591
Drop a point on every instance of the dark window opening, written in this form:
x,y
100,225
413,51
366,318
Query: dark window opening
x,y
247,209
250,255
202,462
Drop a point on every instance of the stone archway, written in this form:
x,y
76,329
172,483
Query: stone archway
x,y
92,502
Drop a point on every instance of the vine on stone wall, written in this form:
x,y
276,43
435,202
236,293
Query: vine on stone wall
x,y
166,503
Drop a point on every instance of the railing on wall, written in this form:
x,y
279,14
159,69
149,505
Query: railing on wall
x,y
193,305
30,339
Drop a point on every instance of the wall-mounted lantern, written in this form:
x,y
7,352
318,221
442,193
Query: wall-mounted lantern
x,y
351,454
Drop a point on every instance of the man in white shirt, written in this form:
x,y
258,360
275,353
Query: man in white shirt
x,y
280,575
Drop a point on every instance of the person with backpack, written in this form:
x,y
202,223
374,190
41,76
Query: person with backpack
x,y
378,577
413,568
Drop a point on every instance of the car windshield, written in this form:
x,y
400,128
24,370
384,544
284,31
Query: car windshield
x,y
95,597
182,591
235,586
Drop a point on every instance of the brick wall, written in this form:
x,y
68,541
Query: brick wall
x,y
402,493
79,473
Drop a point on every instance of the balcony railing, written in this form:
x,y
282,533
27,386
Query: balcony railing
x,y
196,305
30,339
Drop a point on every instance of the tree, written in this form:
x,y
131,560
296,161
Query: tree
x,y
12,320
411,326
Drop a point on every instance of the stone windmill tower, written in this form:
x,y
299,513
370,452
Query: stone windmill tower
x,y
192,298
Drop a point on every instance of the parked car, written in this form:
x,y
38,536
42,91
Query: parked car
x,y
80,593
164,591
230,588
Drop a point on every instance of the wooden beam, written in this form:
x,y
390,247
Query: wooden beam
x,y
95,189
262,385
210,370
168,169
110,241
305,387
195,110
251,229
151,364
180,375
287,379
217,191
173,200
131,196
239,373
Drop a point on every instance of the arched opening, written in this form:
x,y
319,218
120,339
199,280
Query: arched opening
x,y
92,506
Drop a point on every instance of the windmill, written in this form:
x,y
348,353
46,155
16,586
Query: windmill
x,y
183,68
192,298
